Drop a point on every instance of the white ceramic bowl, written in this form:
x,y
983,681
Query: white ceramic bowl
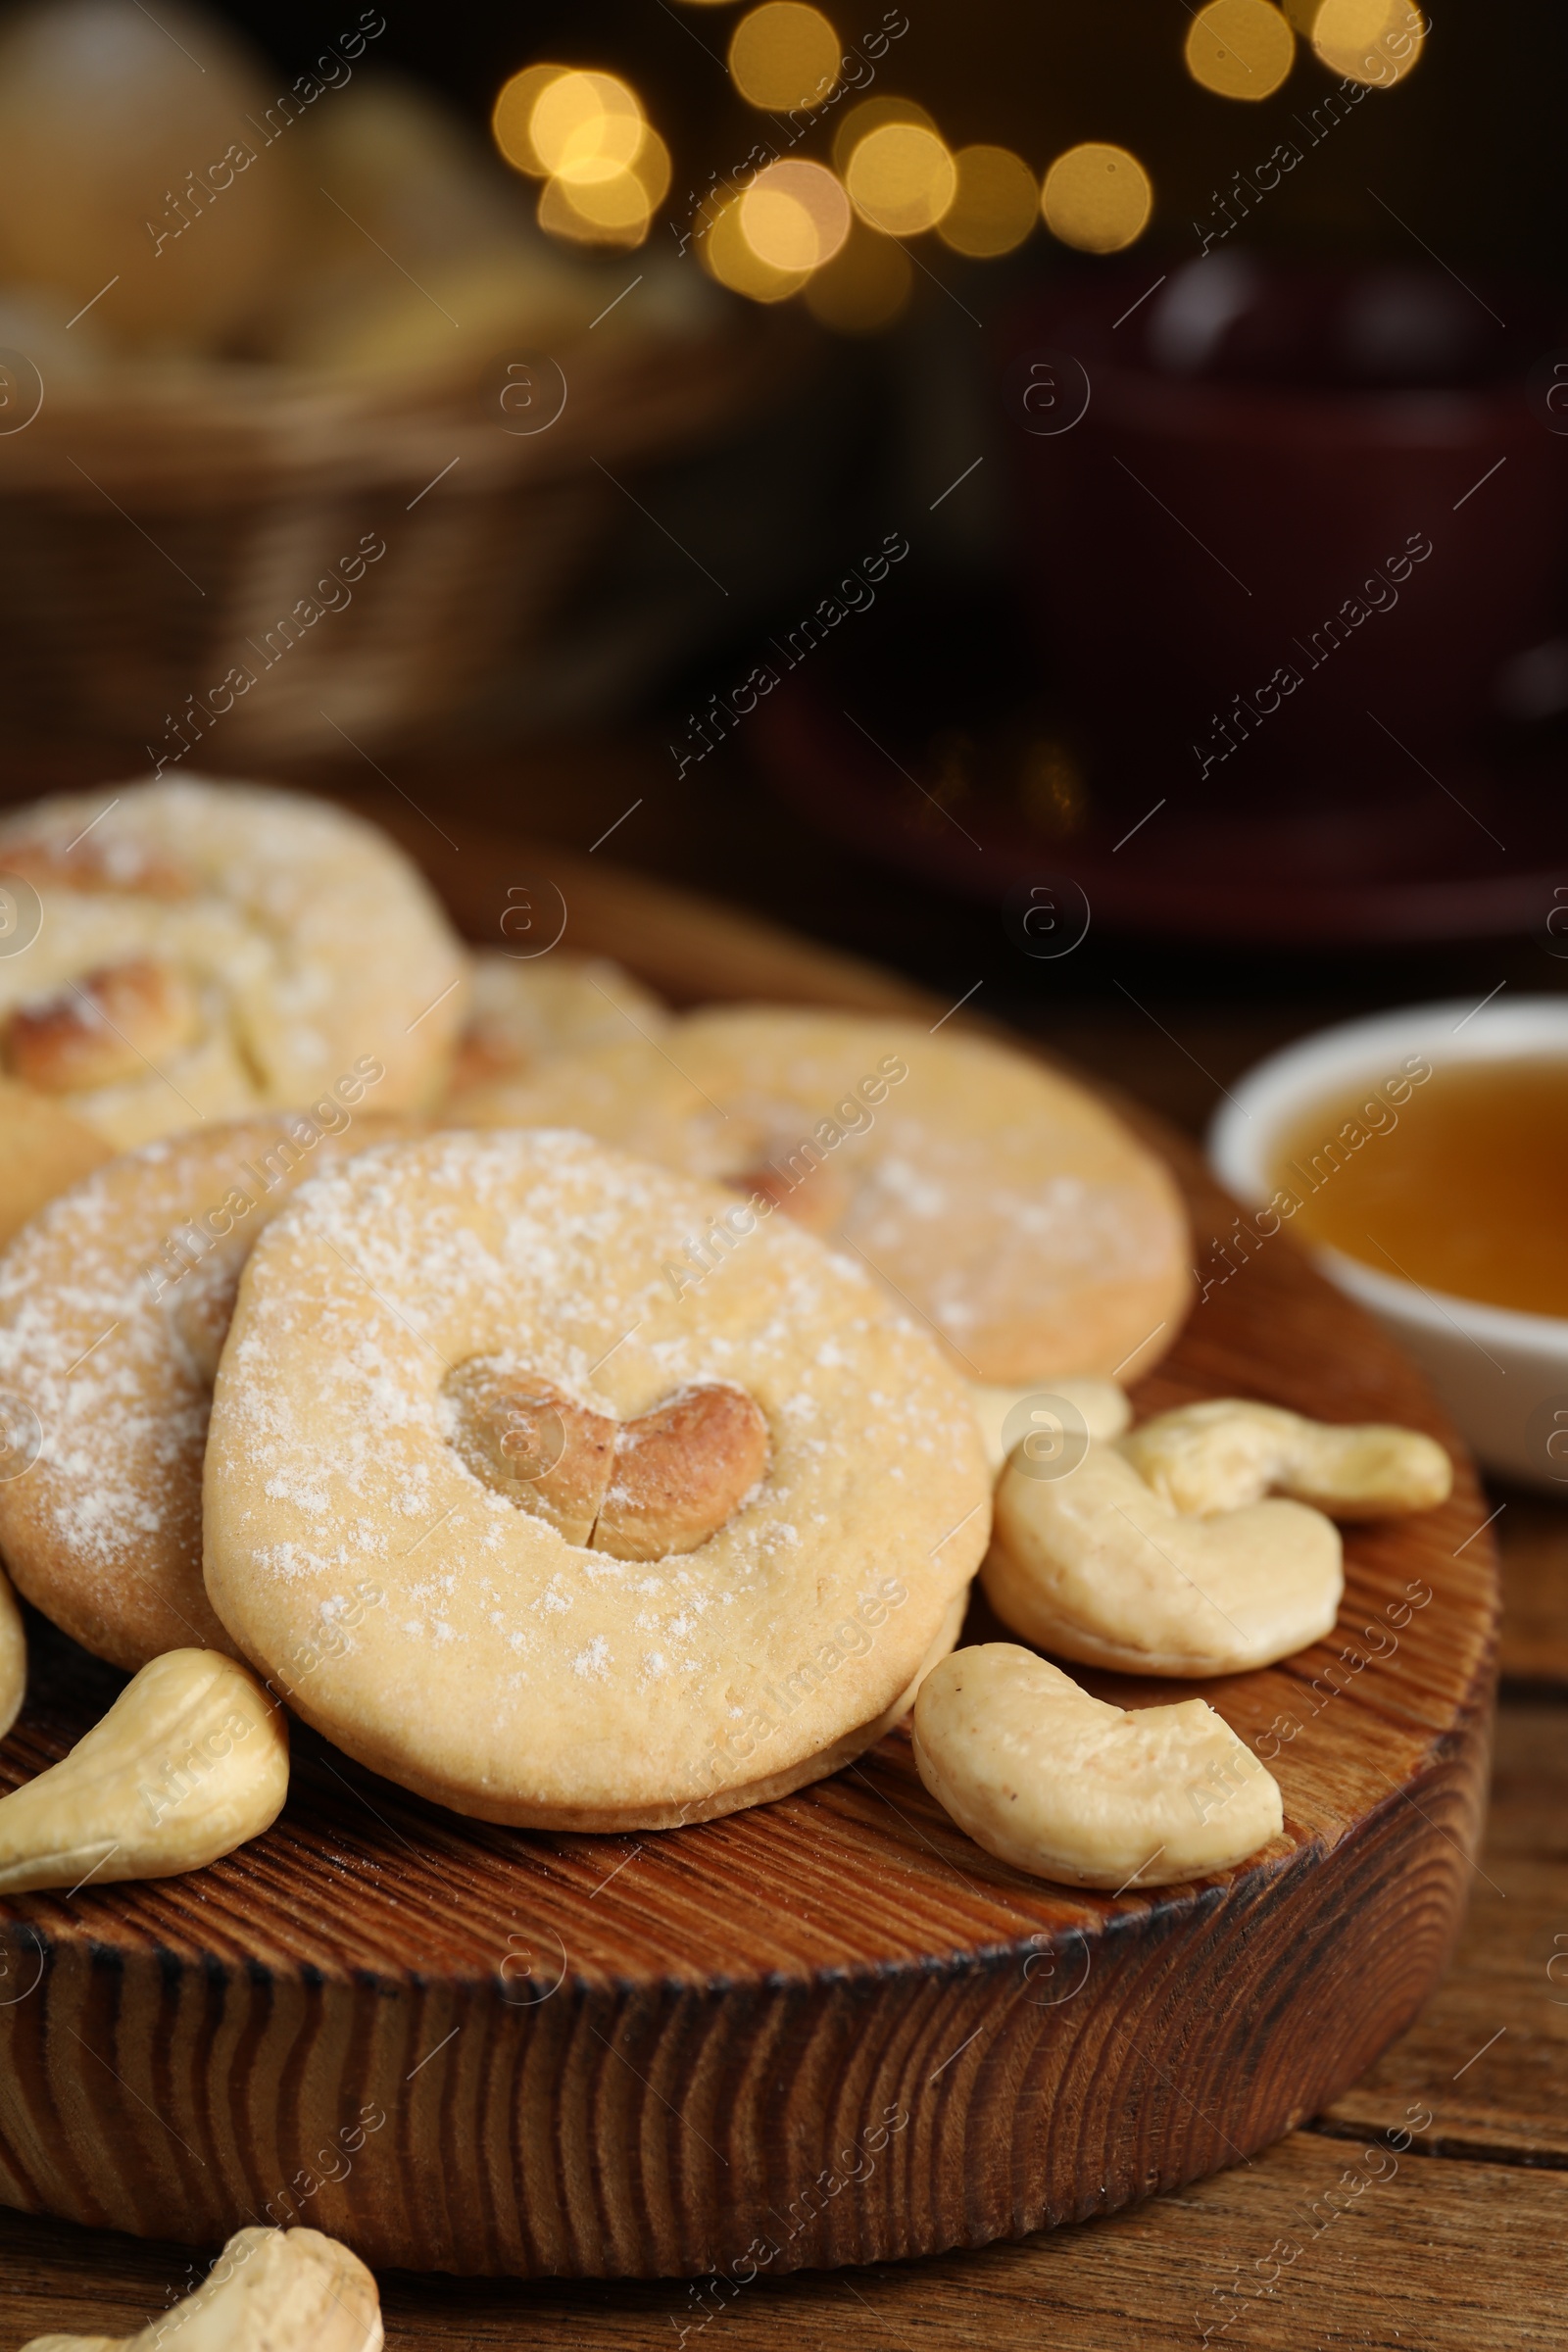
x,y
1502,1375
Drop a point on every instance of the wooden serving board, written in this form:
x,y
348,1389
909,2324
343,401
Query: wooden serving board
x,y
827,2031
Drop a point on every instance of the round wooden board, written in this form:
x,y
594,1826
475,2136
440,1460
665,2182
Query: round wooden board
x,y
827,2031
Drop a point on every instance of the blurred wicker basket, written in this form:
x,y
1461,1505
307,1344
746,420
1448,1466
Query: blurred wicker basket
x,y
197,561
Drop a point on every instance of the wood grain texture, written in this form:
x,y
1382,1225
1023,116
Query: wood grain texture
x,y
831,2025
1423,2269
1435,2257
1532,1535
1488,2054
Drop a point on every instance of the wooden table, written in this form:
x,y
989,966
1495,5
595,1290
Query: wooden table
x,y
1458,2238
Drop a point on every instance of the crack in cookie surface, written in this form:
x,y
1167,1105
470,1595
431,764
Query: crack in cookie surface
x,y
641,1490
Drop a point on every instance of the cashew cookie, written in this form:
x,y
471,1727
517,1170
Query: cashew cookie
x,y
1004,1206
114,1304
524,1011
527,1523
199,950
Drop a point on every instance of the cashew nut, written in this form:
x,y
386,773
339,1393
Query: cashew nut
x,y
103,1028
12,1658
1100,1567
639,1490
270,2290
681,1472
90,865
532,1443
1100,1404
189,1762
1064,1785
1229,1451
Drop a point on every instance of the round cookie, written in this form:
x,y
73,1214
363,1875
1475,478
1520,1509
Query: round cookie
x,y
1011,1210
524,1011
366,1549
187,950
43,1150
114,1304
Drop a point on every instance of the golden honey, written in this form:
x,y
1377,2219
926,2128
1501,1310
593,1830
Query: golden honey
x,y
1457,1179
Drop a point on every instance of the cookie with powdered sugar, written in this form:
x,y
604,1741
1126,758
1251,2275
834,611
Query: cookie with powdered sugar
x,y
196,950
114,1302
43,1150
1003,1204
528,1524
525,1011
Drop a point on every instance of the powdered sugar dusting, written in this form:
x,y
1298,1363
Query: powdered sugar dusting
x,y
331,1458
113,1307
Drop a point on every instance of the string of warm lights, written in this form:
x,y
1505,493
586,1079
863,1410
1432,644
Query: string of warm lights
x,y
784,223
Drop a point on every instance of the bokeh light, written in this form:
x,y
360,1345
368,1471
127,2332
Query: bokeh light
x,y
586,125
1240,48
870,114
604,212
613,206
864,286
728,256
795,215
784,54
996,203
1097,197
1375,42
901,178
652,165
607,170
511,118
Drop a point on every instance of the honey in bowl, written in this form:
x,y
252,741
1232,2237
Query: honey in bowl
x,y
1454,1177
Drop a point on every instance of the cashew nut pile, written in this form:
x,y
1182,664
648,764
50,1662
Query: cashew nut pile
x,y
1063,1786
1160,1553
270,2290
189,1762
